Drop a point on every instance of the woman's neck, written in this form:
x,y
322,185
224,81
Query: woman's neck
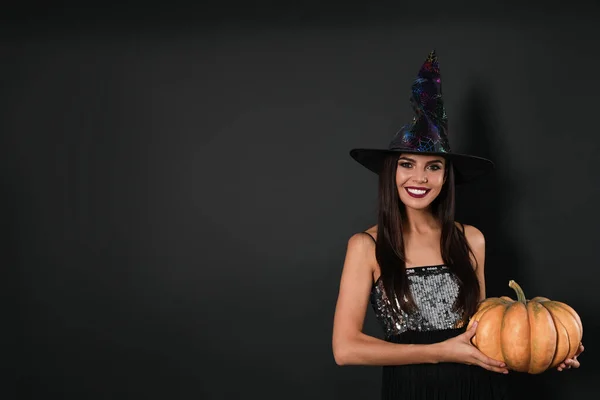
x,y
420,221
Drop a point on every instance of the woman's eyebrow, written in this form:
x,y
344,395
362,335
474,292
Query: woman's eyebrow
x,y
407,159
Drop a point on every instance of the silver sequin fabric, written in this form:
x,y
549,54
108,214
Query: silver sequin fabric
x,y
434,290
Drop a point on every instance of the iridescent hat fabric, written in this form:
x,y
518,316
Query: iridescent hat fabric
x,y
427,133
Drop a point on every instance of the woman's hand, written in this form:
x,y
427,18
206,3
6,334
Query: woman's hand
x,y
460,350
571,362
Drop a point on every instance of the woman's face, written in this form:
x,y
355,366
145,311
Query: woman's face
x,y
419,179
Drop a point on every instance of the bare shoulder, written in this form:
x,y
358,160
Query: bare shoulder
x,y
372,231
361,242
475,238
476,242
361,250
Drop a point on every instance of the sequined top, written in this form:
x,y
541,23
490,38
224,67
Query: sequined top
x,y
434,290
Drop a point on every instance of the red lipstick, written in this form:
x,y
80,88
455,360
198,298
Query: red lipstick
x,y
417,192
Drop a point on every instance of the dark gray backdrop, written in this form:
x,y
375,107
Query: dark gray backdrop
x,y
177,190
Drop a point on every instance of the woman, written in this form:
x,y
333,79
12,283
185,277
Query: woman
x,y
422,271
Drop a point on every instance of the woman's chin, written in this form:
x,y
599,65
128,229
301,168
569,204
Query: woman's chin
x,y
416,204
418,207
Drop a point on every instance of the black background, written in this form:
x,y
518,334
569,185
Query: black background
x,y
177,190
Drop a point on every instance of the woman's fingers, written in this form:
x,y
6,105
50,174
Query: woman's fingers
x,y
572,363
489,363
569,363
471,332
490,367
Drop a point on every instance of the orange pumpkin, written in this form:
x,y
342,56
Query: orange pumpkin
x,y
528,335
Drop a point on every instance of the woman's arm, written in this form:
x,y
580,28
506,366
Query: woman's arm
x,y
350,345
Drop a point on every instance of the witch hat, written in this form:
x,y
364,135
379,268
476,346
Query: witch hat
x,y
427,133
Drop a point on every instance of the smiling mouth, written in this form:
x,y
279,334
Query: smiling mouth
x,y
417,192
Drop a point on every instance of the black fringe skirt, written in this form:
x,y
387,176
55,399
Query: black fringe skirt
x,y
446,381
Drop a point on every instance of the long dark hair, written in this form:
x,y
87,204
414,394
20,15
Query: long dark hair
x,y
390,242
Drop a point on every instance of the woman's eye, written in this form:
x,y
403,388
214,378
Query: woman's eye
x,y
405,165
435,167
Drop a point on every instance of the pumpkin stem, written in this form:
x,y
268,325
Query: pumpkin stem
x,y
520,295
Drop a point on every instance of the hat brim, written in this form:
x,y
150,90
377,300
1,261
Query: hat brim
x,y
467,168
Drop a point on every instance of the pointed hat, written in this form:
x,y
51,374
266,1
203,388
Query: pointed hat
x,y
427,133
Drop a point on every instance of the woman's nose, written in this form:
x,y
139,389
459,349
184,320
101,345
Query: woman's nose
x,y
422,178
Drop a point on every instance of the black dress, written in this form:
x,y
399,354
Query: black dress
x,y
434,289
